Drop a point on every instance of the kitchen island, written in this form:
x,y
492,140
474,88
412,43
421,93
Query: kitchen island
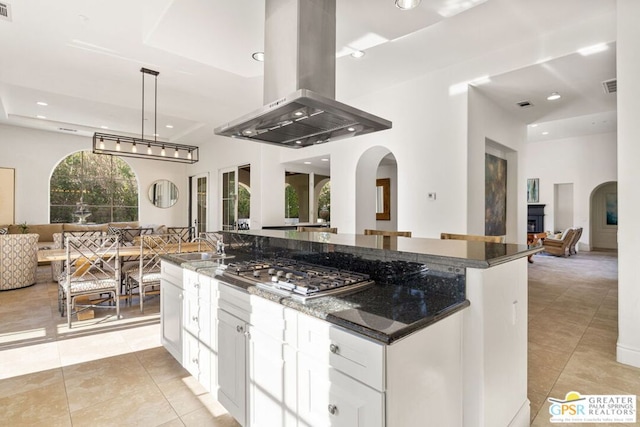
x,y
439,338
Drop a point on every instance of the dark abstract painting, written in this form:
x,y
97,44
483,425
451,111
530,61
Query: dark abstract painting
x,y
495,196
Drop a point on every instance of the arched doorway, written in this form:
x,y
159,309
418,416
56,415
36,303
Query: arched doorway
x,y
604,217
375,163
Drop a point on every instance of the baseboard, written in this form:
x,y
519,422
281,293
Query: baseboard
x,y
628,356
522,418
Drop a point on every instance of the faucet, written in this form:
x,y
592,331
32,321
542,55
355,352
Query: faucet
x,y
219,247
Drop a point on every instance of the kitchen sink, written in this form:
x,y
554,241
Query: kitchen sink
x,y
201,256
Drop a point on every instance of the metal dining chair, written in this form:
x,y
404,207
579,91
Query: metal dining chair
x,y
92,267
146,276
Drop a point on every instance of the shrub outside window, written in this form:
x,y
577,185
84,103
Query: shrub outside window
x,y
106,184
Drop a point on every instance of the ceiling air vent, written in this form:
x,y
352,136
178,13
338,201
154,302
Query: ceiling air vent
x,y
68,130
524,104
5,11
610,86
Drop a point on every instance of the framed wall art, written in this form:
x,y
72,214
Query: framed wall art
x,y
533,190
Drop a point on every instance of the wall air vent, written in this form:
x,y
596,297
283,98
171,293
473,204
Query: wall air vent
x,y
68,130
610,86
5,11
524,104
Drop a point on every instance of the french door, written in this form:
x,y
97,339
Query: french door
x,y
235,197
199,185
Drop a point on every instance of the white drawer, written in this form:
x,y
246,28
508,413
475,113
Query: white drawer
x,y
198,284
353,355
234,301
268,317
171,273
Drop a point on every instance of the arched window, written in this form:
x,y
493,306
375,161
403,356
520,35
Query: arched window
x,y
105,184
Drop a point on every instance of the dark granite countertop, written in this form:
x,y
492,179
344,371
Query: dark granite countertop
x,y
383,312
456,253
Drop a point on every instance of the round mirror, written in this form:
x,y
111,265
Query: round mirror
x,y
163,193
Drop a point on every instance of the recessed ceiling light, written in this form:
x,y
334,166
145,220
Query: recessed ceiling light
x,y
104,127
590,50
357,54
298,113
247,132
41,117
554,96
258,56
534,125
407,4
156,134
545,133
169,126
298,142
307,163
325,160
44,104
351,129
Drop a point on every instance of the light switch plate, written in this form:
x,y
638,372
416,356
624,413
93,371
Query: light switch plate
x,y
431,196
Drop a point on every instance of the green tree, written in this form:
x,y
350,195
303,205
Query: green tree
x,y
244,202
105,183
324,202
291,207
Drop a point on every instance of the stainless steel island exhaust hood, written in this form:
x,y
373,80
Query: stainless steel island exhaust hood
x,y
299,82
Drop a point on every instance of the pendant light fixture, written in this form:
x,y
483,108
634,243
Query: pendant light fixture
x,y
128,146
407,4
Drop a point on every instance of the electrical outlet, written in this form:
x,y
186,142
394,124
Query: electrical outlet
x,y
431,196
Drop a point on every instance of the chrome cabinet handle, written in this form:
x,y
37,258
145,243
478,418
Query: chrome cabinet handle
x,y
247,334
334,349
194,318
333,409
196,285
239,328
194,360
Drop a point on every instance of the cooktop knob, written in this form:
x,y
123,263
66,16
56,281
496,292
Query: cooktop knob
x,y
272,271
280,273
256,273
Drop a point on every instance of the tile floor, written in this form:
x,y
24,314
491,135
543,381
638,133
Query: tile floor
x,y
103,373
573,329
115,373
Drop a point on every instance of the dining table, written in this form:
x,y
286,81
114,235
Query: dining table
x,y
125,251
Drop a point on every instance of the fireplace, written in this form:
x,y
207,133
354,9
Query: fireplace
x,y
535,218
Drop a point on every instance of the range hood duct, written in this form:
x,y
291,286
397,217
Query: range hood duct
x,y
300,109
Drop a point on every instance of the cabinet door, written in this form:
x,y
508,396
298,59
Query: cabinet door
x,y
267,381
326,397
232,365
171,318
197,360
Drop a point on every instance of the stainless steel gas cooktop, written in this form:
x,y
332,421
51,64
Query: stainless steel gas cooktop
x,y
299,280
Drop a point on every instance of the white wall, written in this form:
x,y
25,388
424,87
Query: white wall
x,y
628,70
584,161
495,131
34,154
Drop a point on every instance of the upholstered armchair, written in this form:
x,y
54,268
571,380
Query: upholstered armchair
x,y
576,239
561,246
18,260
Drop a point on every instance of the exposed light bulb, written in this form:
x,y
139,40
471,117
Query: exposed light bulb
x,y
176,155
101,143
189,155
118,145
162,152
134,149
149,149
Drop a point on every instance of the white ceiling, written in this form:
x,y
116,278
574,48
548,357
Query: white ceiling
x,y
82,57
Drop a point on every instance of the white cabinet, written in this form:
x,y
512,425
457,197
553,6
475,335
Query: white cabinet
x,y
171,300
271,380
340,377
199,350
233,317
327,397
